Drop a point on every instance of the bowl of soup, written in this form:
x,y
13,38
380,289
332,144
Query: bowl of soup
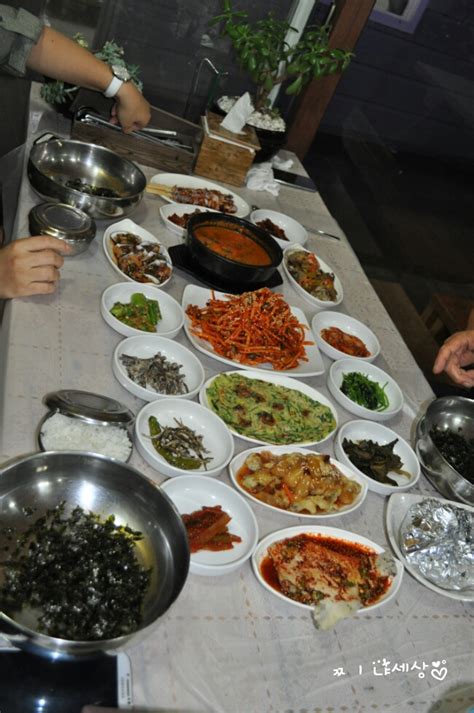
x,y
232,249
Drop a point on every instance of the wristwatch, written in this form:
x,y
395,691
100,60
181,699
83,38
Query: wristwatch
x,y
121,75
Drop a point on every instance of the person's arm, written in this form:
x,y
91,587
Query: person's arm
x,y
59,57
30,266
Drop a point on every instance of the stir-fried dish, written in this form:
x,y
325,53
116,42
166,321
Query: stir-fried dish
x,y
207,529
156,372
299,482
182,220
269,412
207,197
347,343
272,228
179,445
140,260
140,313
375,460
307,272
253,328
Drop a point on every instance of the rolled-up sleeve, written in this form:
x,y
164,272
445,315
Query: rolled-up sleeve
x,y
19,31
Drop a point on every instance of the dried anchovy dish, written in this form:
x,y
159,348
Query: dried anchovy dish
x,y
157,373
80,573
179,445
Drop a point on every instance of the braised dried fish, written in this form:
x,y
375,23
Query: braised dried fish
x,y
157,373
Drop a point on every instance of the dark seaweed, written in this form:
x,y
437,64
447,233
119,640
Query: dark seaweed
x,y
78,185
80,573
456,449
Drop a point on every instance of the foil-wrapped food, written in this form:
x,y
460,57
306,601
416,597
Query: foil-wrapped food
x,y
437,538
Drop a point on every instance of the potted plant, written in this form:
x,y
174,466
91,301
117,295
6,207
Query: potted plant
x,y
263,52
61,94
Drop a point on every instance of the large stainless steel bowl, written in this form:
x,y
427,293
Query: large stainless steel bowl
x,y
105,487
55,161
454,413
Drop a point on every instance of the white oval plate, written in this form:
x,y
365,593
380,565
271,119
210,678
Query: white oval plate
x,y
128,226
180,209
282,381
171,312
397,508
318,304
183,181
288,532
238,461
194,295
325,320
145,347
192,492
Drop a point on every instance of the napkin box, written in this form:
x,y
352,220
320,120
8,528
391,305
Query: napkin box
x,y
224,156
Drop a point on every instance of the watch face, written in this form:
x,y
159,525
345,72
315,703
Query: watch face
x,y
121,72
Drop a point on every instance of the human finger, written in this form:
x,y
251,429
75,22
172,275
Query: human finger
x,y
43,242
44,273
458,375
39,258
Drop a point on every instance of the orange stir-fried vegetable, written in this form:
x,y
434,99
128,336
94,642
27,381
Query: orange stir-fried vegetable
x,y
252,328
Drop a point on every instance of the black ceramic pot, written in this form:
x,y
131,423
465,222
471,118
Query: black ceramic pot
x,y
224,268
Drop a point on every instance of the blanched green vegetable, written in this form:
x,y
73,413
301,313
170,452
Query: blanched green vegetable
x,y
365,392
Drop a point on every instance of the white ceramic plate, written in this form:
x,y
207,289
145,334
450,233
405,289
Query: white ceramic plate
x,y
145,347
238,461
192,492
216,436
325,320
262,547
180,209
194,295
172,315
362,430
128,226
392,390
274,378
397,508
317,304
183,181
293,230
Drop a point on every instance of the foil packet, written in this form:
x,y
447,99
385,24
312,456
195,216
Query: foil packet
x,y
437,539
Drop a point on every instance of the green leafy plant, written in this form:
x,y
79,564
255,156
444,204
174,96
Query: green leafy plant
x,y
262,51
56,92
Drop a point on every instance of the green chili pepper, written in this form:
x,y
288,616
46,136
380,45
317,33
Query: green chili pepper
x,y
177,461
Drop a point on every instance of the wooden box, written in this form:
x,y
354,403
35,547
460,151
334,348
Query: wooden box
x,y
225,156
166,157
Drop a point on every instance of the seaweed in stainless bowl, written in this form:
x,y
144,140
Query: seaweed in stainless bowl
x,y
79,185
456,449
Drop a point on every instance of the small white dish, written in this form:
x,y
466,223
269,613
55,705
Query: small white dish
x,y
313,301
262,548
397,507
350,364
326,320
199,296
293,230
216,436
145,347
192,492
180,209
128,226
182,180
274,378
238,461
369,431
172,316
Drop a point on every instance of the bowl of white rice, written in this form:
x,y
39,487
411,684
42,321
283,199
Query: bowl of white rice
x,y
86,422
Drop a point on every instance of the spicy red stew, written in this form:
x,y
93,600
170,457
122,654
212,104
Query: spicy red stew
x,y
233,245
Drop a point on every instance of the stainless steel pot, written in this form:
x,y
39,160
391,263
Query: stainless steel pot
x,y
105,487
53,162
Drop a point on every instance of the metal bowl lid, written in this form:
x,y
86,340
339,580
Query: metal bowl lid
x,y
61,221
93,408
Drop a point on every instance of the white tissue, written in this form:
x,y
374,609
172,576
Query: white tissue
x,y
238,115
260,178
282,164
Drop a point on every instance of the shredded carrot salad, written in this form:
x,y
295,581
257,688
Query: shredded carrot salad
x,y
252,328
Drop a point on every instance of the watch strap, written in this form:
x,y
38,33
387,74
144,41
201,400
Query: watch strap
x,y
113,87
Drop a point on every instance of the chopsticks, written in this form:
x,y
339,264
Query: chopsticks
x,y
159,189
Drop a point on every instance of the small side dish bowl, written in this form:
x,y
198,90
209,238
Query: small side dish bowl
x,y
349,471
166,211
373,373
361,430
349,325
192,492
293,230
172,315
315,302
128,226
215,434
145,347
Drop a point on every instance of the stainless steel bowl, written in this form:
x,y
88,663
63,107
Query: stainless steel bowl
x,y
105,487
454,413
55,161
